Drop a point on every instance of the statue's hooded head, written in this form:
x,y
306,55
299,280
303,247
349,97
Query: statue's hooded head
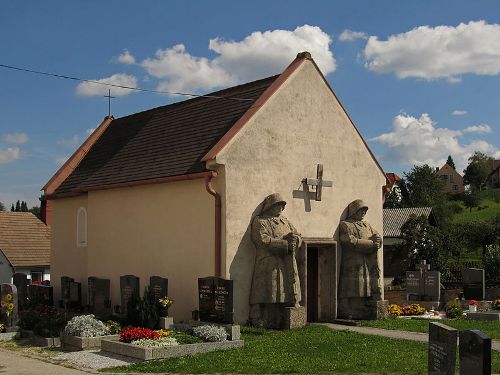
x,y
354,208
272,200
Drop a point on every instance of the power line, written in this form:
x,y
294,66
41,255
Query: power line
x,y
120,86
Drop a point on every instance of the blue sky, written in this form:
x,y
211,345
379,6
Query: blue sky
x,y
419,79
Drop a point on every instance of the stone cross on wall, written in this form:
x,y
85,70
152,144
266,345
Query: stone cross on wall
x,y
318,182
423,267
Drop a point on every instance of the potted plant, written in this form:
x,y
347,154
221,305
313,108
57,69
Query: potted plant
x,y
472,305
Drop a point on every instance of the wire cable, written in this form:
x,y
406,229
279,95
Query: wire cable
x,y
120,86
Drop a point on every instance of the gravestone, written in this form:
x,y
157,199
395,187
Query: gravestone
x,y
40,295
158,286
473,282
129,289
442,354
99,297
10,305
423,286
215,300
21,282
71,293
474,353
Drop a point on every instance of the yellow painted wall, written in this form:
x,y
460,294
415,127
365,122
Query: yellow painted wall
x,y
163,229
66,258
302,125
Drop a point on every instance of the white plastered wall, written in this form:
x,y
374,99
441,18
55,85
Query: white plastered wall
x,y
300,126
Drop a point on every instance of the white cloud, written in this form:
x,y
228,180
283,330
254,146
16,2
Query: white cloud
x,y
258,55
126,58
19,138
481,128
10,154
72,142
437,52
61,160
349,35
93,89
417,141
458,112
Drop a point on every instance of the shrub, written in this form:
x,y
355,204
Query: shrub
x,y
137,333
30,318
162,342
454,309
210,333
50,326
86,326
144,311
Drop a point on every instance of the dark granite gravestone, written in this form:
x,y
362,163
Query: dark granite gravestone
x,y
473,282
414,285
71,293
129,289
215,300
21,282
98,297
8,296
158,286
442,349
432,285
475,353
40,295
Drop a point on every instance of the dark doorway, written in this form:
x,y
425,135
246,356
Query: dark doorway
x,y
312,284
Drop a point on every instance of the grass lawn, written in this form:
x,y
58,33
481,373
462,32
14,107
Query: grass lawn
x,y
488,198
311,350
491,328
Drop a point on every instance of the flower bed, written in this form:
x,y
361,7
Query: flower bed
x,y
409,310
145,344
85,332
148,353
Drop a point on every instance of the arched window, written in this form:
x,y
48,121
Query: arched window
x,y
81,227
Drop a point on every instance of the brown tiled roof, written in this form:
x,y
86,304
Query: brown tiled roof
x,y
162,142
24,239
395,218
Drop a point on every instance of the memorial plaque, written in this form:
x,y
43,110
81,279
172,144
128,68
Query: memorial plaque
x,y
475,353
40,295
158,286
129,288
442,354
21,282
215,300
414,283
99,297
432,285
473,282
10,304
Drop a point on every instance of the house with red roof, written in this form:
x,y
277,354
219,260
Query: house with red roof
x,y
172,191
494,176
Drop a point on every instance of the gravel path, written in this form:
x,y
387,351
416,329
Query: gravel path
x,y
94,359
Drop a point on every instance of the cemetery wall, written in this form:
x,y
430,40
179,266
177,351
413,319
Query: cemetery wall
x,y
163,229
66,258
300,126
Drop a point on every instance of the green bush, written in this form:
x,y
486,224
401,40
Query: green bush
x,y
454,309
143,312
491,263
185,338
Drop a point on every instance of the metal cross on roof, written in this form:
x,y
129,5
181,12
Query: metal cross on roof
x,y
318,182
109,101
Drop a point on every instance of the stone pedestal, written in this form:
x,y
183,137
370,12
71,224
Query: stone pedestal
x,y
166,322
380,309
294,317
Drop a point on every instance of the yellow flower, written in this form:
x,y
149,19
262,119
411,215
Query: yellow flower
x,y
8,297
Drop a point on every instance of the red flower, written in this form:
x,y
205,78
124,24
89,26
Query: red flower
x,y
473,302
137,333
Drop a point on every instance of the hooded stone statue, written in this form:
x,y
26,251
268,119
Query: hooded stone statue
x,y
359,271
275,281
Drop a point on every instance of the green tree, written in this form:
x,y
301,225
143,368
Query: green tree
x,y
450,162
471,199
18,206
422,241
478,170
12,209
35,210
424,186
24,206
2,207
